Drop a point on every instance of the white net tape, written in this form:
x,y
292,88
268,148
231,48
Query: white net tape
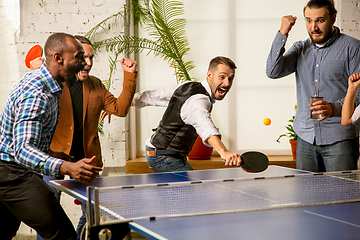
x,y
233,195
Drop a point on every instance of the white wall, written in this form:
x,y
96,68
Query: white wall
x,y
350,17
9,26
243,31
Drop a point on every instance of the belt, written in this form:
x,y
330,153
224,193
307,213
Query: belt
x,y
156,152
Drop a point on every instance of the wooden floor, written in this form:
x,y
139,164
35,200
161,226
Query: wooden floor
x,y
139,165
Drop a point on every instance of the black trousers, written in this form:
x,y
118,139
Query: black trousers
x,y
25,197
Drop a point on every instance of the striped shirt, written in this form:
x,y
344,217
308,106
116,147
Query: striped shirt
x,y
28,121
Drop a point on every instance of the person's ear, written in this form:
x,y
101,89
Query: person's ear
x,y
58,58
208,74
333,18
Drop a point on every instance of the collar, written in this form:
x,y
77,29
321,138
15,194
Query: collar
x,y
51,82
208,89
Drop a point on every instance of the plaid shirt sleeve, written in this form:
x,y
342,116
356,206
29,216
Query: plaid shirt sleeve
x,y
33,129
28,121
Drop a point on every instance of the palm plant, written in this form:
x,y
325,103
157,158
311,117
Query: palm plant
x,y
162,20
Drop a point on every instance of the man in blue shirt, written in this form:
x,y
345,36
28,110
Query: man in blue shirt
x,y
27,124
323,62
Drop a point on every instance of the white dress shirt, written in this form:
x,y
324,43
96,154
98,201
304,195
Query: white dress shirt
x,y
195,110
356,116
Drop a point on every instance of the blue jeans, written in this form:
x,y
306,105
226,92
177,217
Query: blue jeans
x,y
162,163
80,229
82,220
338,156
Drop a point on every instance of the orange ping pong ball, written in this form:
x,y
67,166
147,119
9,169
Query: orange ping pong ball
x,y
267,121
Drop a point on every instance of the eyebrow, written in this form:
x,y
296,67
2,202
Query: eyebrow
x,y
231,75
223,73
316,18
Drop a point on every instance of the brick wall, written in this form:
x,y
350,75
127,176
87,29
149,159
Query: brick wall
x,y
350,18
9,25
24,23
28,22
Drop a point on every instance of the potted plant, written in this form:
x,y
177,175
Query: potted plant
x,y
163,20
291,134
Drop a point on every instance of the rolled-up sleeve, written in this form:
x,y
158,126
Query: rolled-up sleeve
x,y
196,112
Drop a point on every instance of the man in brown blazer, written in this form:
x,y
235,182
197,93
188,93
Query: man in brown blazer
x,y
96,98
81,103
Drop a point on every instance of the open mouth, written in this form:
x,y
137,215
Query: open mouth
x,y
222,91
316,34
84,72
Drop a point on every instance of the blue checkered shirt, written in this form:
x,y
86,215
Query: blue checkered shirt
x,y
28,121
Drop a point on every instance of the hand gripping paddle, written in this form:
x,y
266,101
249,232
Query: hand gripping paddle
x,y
34,52
254,161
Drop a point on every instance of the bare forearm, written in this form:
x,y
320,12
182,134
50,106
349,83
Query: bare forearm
x,y
217,144
348,107
231,159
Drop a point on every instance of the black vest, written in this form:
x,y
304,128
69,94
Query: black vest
x,y
172,133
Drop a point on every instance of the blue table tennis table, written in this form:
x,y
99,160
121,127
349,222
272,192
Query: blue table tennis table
x,y
332,221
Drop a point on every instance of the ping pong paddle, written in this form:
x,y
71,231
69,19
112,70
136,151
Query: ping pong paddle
x,y
254,161
34,52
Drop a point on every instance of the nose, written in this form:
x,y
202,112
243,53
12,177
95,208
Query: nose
x,y
83,62
314,26
88,61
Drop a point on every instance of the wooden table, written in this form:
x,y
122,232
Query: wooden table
x,y
139,165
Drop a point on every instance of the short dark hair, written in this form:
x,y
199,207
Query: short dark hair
x,y
316,4
221,60
56,42
83,40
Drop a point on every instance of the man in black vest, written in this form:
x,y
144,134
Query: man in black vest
x,y
188,115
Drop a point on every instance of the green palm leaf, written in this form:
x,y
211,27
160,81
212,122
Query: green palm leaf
x,y
162,20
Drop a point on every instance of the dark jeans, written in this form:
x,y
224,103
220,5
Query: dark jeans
x,y
338,156
164,163
25,197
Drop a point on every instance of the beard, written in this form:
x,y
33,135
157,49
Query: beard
x,y
323,37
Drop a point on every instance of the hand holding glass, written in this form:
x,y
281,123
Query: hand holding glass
x,y
312,100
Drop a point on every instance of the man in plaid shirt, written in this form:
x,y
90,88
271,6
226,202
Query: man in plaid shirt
x,y
27,124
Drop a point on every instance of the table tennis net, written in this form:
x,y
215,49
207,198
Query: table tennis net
x,y
228,195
